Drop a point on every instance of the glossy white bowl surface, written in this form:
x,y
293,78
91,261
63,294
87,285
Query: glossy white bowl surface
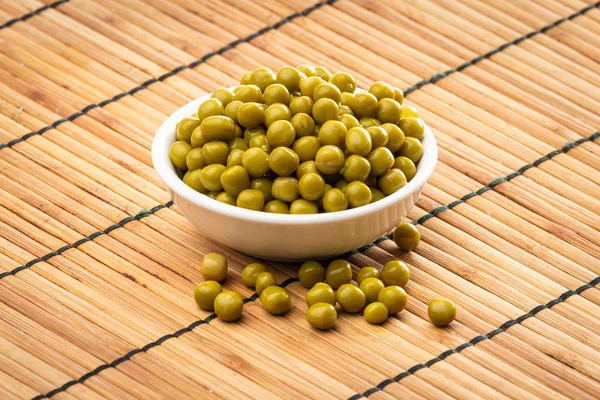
x,y
279,236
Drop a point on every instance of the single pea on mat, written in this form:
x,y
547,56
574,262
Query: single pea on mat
x,y
394,298
441,311
206,293
350,298
367,272
376,313
395,273
250,273
229,306
321,316
272,124
320,293
263,281
310,273
214,267
338,273
407,237
276,300
371,287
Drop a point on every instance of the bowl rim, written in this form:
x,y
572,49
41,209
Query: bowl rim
x,y
165,136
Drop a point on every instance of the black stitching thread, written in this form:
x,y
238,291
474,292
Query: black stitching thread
x,y
32,14
533,312
120,224
145,348
171,73
498,49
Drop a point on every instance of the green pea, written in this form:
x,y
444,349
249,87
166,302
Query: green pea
x,y
213,195
229,306
250,273
261,142
178,153
250,115
413,127
371,288
332,133
301,206
376,313
405,165
381,160
214,267
379,136
441,311
398,95
301,105
407,237
364,105
338,273
285,189
395,273
381,90
223,197
193,180
325,110
335,200
395,137
341,184
358,141
329,159
231,110
306,147
356,168
350,298
376,194
234,180
321,316
307,70
237,143
264,185
323,73
276,207
277,112
305,168
209,108
276,300
349,121
311,186
345,110
263,281
358,194
308,85
225,96
211,177
391,181
290,78
198,139
303,124
367,272
185,127
394,298
346,99
281,133
389,111
235,157
218,127
311,273
249,94
245,79
283,161
249,133
256,162
320,293
411,149
409,112
215,152
251,199
368,122
206,293
326,90
344,81
276,93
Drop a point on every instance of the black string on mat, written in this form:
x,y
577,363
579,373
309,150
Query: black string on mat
x,y
171,73
502,328
32,14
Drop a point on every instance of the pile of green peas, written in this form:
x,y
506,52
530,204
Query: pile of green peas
x,y
301,141
229,305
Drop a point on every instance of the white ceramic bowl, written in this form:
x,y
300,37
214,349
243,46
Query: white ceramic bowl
x,y
279,236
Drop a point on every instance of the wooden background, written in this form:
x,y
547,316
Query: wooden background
x,y
97,267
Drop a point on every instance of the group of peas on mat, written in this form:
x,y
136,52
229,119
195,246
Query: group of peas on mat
x,y
346,149
380,291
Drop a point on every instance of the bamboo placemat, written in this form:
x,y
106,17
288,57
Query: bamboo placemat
x,y
97,267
